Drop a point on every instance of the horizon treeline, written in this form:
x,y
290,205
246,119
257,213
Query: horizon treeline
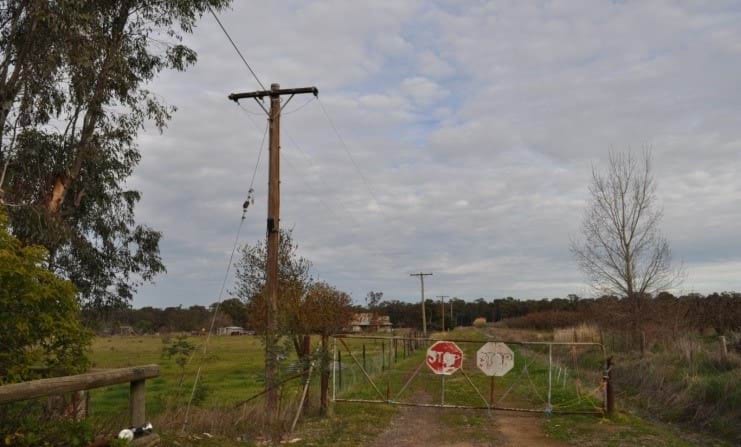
x,y
720,311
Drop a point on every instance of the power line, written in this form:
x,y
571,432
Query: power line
x,y
326,114
235,46
259,154
288,112
302,176
306,185
347,151
250,112
310,159
226,277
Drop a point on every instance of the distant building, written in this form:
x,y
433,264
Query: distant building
x,y
232,330
369,322
126,330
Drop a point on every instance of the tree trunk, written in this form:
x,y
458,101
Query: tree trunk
x,y
306,354
84,146
324,405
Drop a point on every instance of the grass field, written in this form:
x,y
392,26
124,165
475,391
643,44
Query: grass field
x,y
232,371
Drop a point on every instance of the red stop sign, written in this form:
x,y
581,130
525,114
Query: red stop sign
x,y
444,357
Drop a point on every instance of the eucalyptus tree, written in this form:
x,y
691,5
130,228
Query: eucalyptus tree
x,y
74,95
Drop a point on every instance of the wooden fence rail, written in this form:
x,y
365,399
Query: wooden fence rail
x,y
136,376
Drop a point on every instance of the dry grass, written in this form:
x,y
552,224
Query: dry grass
x,y
581,333
505,333
685,380
544,320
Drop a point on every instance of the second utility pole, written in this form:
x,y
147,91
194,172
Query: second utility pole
x,y
422,282
442,307
273,233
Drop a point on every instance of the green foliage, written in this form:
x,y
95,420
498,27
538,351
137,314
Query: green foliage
x,y
40,327
73,86
684,381
236,310
372,299
294,280
201,393
326,309
25,425
179,349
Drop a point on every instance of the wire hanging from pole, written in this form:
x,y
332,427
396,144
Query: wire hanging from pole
x,y
250,200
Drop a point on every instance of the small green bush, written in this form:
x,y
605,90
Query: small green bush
x,y
24,424
40,327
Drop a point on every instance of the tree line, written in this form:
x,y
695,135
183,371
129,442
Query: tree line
x,y
720,311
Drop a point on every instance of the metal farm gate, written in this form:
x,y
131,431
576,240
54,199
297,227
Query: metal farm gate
x,y
529,376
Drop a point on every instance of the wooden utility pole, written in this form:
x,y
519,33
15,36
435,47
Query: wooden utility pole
x,y
273,231
452,318
422,282
442,306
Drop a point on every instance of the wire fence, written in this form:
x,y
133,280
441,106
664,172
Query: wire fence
x,y
545,377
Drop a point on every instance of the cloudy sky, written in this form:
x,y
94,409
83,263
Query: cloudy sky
x,y
474,127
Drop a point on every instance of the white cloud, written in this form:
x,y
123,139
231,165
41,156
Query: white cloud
x,y
422,90
476,127
433,66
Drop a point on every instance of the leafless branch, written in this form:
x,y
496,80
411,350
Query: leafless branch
x,y
622,251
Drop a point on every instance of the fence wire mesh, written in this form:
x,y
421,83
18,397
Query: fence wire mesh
x,y
547,377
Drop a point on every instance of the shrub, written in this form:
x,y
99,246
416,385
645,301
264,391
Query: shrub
x,y
25,424
479,322
685,382
40,327
181,350
545,320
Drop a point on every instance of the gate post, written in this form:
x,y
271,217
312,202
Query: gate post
x,y
334,368
609,389
339,368
383,355
549,407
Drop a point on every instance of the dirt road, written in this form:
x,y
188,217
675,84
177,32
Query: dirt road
x,y
418,426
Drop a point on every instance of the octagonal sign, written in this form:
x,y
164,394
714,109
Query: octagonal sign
x,y
444,357
495,359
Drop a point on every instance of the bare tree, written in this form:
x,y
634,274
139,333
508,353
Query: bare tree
x,y
623,252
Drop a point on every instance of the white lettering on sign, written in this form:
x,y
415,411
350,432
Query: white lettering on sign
x,y
444,357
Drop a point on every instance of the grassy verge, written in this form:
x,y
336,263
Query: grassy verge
x,y
684,382
233,372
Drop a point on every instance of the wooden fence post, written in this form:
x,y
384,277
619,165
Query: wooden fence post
x,y
339,368
383,355
609,388
137,403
